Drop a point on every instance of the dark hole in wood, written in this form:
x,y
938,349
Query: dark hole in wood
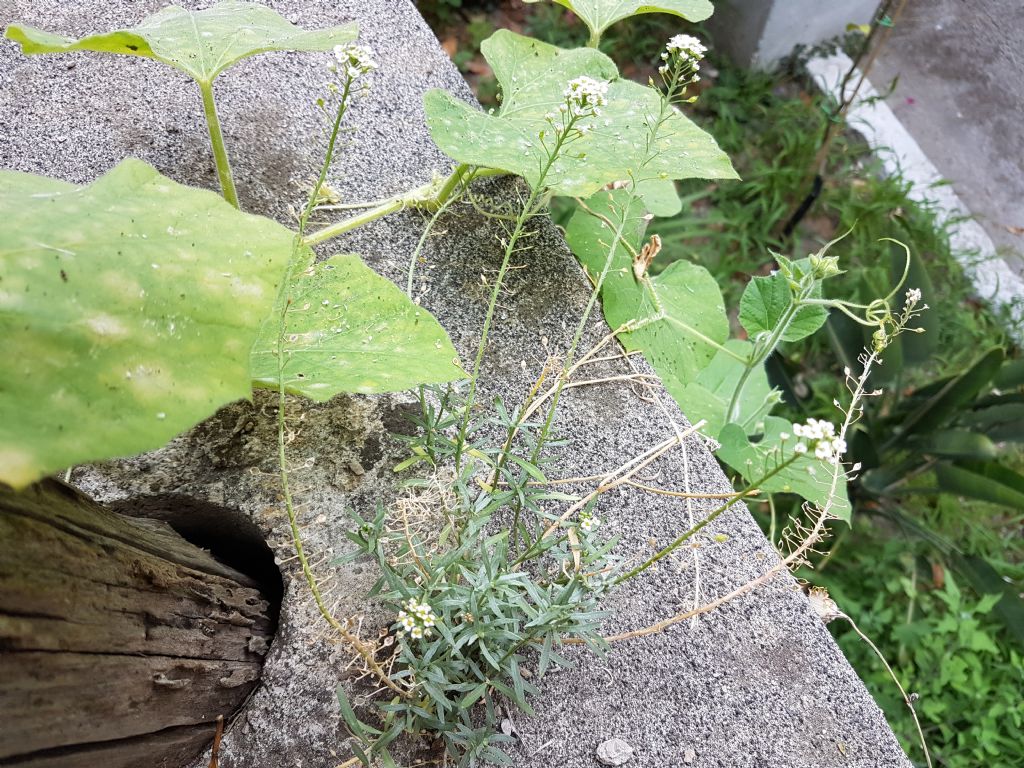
x,y
121,639
227,534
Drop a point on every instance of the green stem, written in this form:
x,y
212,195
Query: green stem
x,y
297,260
510,247
220,155
427,196
505,260
335,230
595,40
582,325
682,539
758,357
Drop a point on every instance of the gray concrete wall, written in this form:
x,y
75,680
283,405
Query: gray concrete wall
x,y
758,33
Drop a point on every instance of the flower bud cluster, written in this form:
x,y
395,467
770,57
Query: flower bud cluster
x,y
584,97
681,57
821,436
353,61
686,45
417,619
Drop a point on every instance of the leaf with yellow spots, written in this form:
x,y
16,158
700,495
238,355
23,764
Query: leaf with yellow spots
x,y
533,76
350,330
201,44
128,309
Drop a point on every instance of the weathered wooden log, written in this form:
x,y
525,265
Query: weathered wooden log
x,y
120,642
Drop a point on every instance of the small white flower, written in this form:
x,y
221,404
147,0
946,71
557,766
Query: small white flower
x,y
784,436
588,524
913,296
799,448
416,633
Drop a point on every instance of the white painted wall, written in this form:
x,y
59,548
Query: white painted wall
x,y
758,33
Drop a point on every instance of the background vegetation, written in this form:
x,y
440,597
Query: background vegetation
x,y
933,564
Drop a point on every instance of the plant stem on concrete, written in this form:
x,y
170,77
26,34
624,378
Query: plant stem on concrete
x,y
220,154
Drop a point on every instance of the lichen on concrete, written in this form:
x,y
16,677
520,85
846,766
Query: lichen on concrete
x,y
758,683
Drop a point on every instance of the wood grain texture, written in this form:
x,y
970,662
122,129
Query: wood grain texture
x,y
114,630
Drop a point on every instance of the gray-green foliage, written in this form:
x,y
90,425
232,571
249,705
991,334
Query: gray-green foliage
x,y
533,76
504,595
202,44
350,330
128,308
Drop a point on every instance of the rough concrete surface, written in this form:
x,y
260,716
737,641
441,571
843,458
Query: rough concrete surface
x,y
759,683
960,65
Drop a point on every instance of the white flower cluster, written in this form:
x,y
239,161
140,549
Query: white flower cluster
x,y
913,296
584,97
686,45
417,619
821,435
589,523
354,61
682,55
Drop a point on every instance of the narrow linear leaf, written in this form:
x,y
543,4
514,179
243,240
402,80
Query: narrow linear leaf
x,y
986,481
128,308
202,44
956,394
957,444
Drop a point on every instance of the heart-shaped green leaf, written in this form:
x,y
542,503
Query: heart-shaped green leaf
x,y
709,396
807,477
679,314
765,303
533,76
201,44
598,15
351,330
128,308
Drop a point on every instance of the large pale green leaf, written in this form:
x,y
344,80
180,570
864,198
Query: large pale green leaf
x,y
680,311
200,43
709,396
533,76
351,330
598,15
766,301
807,477
127,309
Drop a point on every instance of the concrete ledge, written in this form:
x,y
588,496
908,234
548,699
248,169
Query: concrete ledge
x,y
872,118
759,683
